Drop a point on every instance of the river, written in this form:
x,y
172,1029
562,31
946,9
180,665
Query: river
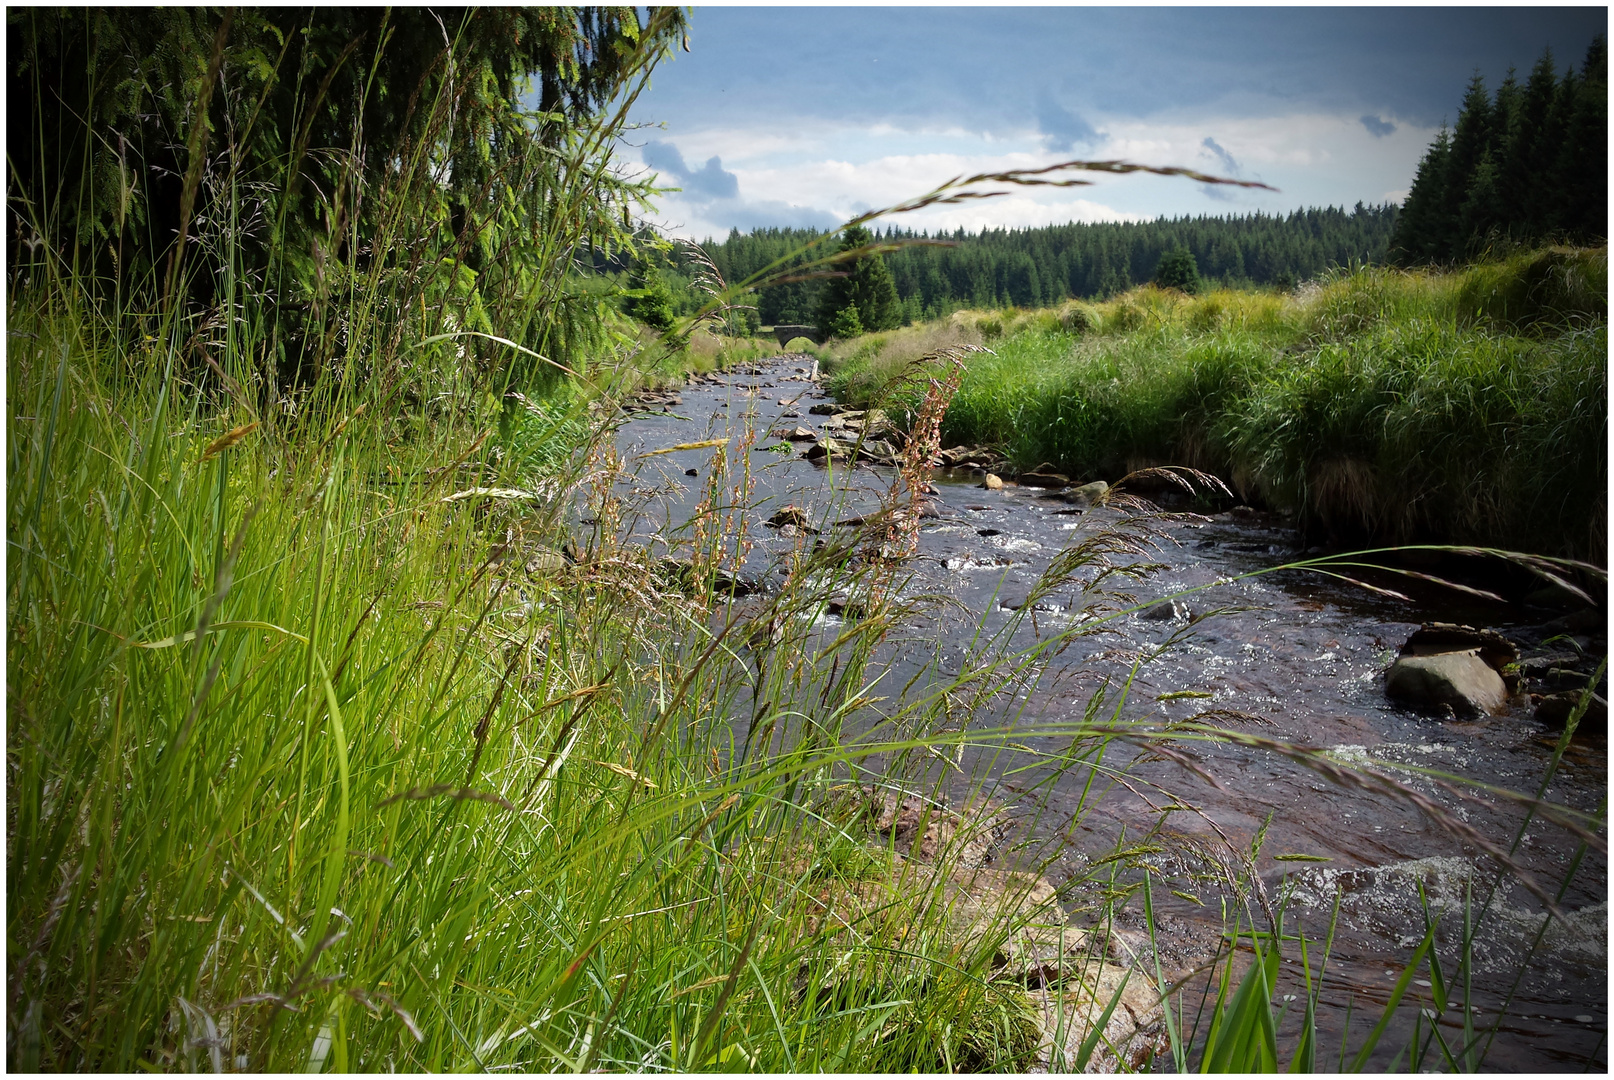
x,y
1300,654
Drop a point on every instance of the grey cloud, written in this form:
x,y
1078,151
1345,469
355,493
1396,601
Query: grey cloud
x,y
745,215
710,181
1227,161
1062,129
1226,164
1378,126
981,66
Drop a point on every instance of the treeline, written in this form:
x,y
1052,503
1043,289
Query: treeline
x,y
1042,266
1526,165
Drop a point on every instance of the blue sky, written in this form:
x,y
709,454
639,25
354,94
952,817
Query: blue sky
x,y
808,115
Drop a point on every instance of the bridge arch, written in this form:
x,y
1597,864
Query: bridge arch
x,y
786,333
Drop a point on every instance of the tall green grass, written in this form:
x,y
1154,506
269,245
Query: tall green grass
x,y
1467,407
332,745
308,768
322,758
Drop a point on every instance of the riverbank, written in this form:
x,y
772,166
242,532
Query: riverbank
x,y
1299,659
1376,405
337,743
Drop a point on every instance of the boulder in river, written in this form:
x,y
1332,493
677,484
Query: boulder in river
x,y
798,434
1067,982
544,558
1439,637
720,581
993,482
962,456
1166,611
790,515
1473,671
879,452
830,408
1554,709
922,830
1086,495
829,447
1460,679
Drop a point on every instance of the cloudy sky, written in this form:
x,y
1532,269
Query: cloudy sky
x,y
808,115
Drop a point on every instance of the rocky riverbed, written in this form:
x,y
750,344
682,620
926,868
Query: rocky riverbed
x,y
1299,659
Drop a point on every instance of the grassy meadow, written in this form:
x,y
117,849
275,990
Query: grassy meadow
x,y
1462,407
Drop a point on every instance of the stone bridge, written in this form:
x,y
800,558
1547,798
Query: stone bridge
x,y
786,333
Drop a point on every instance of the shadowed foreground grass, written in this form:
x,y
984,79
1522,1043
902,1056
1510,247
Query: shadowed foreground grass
x,y
321,758
1467,407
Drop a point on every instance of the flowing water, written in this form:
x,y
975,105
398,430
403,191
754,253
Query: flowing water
x,y
1302,656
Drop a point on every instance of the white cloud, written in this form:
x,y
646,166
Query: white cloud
x,y
818,172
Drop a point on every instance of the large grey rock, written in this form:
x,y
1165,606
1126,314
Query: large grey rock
x,y
922,830
928,864
1460,679
1554,709
959,456
1085,495
796,434
1134,1034
828,447
1166,611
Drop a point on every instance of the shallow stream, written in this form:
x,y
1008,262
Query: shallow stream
x,y
1303,653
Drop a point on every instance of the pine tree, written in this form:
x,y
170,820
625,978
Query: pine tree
x,y
1178,270
1583,161
1420,231
1470,139
1527,157
867,289
1530,165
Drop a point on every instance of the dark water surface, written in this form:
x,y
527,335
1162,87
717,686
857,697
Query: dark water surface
x,y
1305,654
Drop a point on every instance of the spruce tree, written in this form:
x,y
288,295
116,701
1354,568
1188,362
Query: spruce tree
x,y
1419,231
1178,270
867,290
1470,139
1527,156
1532,165
1583,162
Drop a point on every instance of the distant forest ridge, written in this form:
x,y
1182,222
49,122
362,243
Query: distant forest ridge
x,y
1038,267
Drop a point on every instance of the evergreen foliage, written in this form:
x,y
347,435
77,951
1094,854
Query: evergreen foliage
x,y
1177,270
865,298
1527,165
653,304
278,141
1041,267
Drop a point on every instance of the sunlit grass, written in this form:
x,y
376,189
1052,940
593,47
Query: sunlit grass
x,y
1462,407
